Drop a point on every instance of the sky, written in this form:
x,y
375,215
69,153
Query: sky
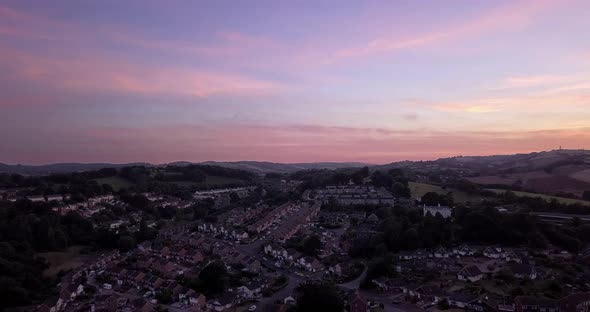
x,y
291,81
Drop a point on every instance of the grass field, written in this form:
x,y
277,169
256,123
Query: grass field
x,y
419,189
546,197
117,183
209,181
63,260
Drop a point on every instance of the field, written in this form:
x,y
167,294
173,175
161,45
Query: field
x,y
419,189
554,184
582,175
117,183
209,181
492,180
63,260
546,197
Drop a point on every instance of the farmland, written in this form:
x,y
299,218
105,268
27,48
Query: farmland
x,y
116,182
210,181
63,260
419,189
546,197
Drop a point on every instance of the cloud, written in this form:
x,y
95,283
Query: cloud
x,y
562,99
295,143
97,73
534,81
506,18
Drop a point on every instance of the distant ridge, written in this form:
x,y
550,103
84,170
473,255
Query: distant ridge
x,y
252,166
60,168
524,162
264,167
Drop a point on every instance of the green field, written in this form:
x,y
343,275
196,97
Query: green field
x,y
209,181
562,200
419,189
63,260
117,183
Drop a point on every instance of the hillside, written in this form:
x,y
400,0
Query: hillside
x,y
60,168
265,167
556,172
252,166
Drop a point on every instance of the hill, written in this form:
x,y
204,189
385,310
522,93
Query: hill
x,y
60,168
252,166
557,172
265,167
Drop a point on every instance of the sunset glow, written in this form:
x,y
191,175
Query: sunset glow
x,y
305,81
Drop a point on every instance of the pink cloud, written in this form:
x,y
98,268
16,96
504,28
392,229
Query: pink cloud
x,y
303,143
504,18
102,74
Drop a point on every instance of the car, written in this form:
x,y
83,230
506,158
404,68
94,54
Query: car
x,y
252,308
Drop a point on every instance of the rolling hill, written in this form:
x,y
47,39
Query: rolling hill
x,y
252,166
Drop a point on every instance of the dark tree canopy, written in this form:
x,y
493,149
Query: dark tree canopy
x,y
213,279
312,245
319,297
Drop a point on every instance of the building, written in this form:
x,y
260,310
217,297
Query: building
x,y
577,302
535,304
355,195
444,211
470,273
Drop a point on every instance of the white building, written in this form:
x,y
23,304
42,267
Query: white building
x,y
444,211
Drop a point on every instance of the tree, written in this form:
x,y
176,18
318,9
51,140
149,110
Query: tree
x,y
312,245
401,190
586,195
126,243
319,297
164,296
213,279
443,304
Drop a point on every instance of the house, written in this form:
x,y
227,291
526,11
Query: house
x,y
52,304
310,264
577,302
494,252
388,285
429,293
106,303
142,305
461,300
445,211
535,304
356,302
289,300
71,291
195,256
373,219
224,302
445,264
441,252
584,255
464,251
195,299
417,254
250,264
514,256
523,271
245,293
470,273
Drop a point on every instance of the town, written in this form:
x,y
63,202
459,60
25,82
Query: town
x,y
258,248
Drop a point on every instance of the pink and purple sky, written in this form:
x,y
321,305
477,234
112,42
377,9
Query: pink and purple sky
x,y
290,81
